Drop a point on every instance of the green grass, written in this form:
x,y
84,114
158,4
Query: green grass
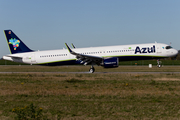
x,y
92,96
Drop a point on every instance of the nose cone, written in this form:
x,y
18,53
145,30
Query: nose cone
x,y
175,52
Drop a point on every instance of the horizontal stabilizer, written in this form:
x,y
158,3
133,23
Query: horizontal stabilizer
x,y
16,57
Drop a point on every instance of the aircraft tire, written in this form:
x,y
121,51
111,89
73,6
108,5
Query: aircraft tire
x,y
91,70
159,66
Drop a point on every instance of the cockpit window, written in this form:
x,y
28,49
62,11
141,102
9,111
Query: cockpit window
x,y
168,47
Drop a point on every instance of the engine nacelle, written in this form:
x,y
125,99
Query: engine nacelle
x,y
111,62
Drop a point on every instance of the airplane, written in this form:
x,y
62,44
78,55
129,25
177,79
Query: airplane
x,y
106,56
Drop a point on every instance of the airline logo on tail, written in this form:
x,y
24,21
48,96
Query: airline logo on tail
x,y
14,42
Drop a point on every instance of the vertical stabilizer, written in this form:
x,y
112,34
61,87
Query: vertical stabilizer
x,y
14,43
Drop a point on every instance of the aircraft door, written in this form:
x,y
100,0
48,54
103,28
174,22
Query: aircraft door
x,y
158,49
33,60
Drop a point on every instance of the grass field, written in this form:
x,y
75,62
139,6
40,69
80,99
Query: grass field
x,y
90,96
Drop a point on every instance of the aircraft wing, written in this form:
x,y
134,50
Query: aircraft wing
x,y
73,45
85,59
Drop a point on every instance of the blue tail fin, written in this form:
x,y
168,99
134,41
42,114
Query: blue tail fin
x,y
15,44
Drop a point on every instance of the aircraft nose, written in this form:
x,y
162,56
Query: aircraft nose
x,y
176,52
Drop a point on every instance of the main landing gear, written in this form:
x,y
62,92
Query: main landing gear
x,y
92,69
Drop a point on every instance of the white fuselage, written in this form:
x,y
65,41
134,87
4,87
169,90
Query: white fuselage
x,y
123,52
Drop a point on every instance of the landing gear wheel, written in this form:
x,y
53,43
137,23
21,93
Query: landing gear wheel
x,y
91,70
159,66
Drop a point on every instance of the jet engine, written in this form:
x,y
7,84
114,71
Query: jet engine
x,y
111,62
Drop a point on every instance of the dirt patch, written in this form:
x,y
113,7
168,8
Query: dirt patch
x,y
168,79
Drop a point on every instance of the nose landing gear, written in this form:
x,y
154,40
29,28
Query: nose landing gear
x,y
159,64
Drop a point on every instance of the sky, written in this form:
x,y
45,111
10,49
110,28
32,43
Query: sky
x,y
48,24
